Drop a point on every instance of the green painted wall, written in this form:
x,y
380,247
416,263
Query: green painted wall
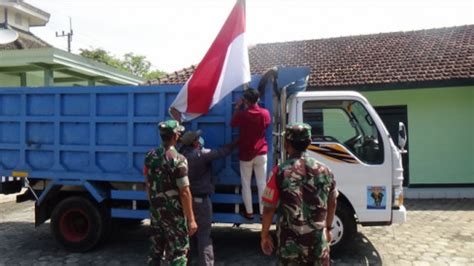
x,y
34,79
9,80
441,132
336,124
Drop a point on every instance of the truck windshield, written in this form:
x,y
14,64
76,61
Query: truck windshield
x,y
348,123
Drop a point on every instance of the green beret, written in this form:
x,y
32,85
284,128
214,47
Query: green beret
x,y
170,125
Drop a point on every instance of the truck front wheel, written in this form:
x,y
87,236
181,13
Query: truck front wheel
x,y
344,228
77,224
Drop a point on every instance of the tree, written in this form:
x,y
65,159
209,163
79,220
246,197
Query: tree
x,y
155,74
102,56
135,64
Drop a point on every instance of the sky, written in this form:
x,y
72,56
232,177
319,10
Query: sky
x,y
174,34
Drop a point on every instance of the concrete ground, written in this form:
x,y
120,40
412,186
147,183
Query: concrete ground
x,y
438,232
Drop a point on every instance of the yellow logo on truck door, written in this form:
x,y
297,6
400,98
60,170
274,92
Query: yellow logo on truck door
x,y
19,174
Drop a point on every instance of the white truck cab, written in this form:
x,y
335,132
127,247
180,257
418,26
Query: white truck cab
x,y
351,139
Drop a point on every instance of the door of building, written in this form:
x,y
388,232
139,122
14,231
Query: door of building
x,y
391,115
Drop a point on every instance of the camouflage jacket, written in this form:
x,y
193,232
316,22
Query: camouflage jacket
x,y
166,172
300,189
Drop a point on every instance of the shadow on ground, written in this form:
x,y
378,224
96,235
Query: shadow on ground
x,y
360,252
244,243
21,242
439,204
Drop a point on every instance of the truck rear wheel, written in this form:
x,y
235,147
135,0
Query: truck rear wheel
x,y
77,224
344,230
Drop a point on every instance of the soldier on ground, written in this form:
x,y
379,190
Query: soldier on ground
x,y
167,185
303,193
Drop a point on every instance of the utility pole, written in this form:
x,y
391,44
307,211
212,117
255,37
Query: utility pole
x,y
68,35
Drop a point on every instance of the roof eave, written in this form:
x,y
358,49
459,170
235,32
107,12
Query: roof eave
x,y
37,16
454,82
54,56
89,66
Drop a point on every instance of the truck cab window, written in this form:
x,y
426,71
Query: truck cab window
x,y
348,123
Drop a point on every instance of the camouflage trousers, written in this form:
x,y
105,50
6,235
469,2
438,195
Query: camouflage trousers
x,y
324,261
311,248
169,240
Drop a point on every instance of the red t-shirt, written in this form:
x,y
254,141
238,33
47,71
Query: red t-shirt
x,y
252,123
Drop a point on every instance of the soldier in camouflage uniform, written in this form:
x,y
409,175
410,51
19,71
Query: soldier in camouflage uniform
x,y
303,193
167,185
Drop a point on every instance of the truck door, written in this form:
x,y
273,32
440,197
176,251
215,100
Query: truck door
x,y
346,138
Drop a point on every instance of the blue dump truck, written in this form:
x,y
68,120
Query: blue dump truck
x,y
79,151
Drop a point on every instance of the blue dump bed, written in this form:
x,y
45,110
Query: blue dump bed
x,y
93,137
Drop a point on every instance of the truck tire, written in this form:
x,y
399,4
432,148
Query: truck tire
x,y
77,224
344,230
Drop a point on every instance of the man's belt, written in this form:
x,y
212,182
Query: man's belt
x,y
202,196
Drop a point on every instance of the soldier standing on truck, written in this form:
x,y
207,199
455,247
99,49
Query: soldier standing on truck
x,y
202,187
303,193
253,148
167,185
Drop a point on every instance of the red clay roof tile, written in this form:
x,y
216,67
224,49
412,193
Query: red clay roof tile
x,y
388,58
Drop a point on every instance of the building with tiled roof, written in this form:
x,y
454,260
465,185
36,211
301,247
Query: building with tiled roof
x,y
365,61
177,77
30,61
26,40
376,60
424,78
21,17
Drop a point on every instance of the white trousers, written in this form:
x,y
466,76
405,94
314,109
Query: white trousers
x,y
259,165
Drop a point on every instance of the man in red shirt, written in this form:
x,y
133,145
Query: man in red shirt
x,y
252,122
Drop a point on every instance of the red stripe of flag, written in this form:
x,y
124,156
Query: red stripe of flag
x,y
203,83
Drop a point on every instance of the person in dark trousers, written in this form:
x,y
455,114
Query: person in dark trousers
x,y
252,123
302,191
201,184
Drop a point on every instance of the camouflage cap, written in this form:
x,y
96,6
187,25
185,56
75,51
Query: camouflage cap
x,y
298,131
170,125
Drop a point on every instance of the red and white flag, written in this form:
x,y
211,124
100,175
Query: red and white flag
x,y
224,68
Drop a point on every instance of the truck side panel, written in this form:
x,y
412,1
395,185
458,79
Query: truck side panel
x,y
98,136
101,135
90,133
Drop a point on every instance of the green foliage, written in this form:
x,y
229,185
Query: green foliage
x,y
135,64
102,56
154,74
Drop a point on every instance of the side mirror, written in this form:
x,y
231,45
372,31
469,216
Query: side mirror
x,y
402,137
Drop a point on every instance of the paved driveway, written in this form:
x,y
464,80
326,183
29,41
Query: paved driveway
x,y
438,232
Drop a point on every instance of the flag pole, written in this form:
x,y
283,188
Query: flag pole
x,y
244,4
